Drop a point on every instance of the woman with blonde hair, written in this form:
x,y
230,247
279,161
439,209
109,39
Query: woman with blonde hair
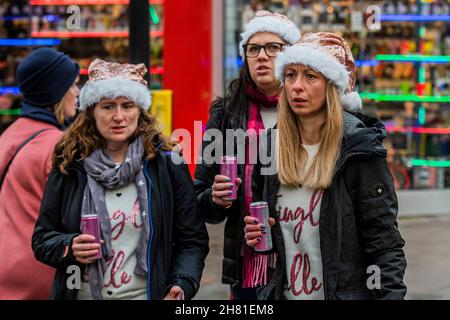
x,y
114,164
332,201
250,104
47,80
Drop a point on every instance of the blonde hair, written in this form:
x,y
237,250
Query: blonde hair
x,y
291,157
82,138
59,111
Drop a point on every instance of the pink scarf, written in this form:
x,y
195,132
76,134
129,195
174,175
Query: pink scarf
x,y
255,266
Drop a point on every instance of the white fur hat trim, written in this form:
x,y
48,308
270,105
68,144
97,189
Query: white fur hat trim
x,y
314,58
93,92
323,63
286,30
351,101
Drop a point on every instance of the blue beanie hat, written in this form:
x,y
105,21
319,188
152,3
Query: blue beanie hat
x,y
44,77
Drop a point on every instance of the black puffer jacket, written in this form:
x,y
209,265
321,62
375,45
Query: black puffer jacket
x,y
204,179
179,245
358,226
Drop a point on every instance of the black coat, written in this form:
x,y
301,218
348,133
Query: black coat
x,y
357,227
204,179
180,241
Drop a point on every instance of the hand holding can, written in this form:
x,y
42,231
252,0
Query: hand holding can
x,y
228,168
90,225
260,211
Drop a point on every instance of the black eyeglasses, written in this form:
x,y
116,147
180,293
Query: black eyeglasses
x,y
271,49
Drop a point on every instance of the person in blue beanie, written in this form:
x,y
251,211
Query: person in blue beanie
x,y
47,80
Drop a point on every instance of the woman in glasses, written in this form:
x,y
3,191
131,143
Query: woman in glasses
x,y
249,103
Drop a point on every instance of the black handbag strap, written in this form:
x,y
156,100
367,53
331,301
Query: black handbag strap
x,y
34,135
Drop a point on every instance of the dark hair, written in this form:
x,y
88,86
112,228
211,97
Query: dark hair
x,y
235,102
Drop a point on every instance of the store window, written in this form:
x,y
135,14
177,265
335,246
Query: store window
x,y
403,78
101,31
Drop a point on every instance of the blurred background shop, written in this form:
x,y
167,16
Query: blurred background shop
x,y
115,30
192,54
404,79
404,65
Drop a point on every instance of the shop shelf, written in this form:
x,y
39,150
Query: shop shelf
x,y
29,42
399,97
419,130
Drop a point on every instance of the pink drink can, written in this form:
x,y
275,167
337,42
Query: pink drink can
x,y
228,167
90,225
260,211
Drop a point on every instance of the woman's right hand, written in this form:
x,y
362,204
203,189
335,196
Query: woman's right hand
x,y
83,247
253,231
221,190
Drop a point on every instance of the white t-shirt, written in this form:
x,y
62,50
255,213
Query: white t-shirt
x,y
298,210
120,282
269,116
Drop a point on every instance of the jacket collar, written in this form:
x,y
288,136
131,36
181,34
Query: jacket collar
x,y
363,137
39,113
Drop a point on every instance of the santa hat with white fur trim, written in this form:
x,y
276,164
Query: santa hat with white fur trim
x,y
266,21
329,54
113,80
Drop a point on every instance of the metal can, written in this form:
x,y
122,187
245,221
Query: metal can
x,y
90,225
228,168
260,211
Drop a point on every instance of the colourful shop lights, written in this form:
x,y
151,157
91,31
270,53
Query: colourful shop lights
x,y
10,90
430,163
403,97
10,112
154,15
403,58
422,115
370,63
84,2
29,42
12,18
414,18
87,34
418,130
412,58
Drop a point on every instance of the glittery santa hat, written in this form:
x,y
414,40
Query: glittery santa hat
x,y
266,21
329,54
113,80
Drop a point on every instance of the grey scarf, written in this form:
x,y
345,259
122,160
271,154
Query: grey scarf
x,y
103,173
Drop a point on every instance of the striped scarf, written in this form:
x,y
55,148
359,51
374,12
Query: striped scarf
x,y
255,266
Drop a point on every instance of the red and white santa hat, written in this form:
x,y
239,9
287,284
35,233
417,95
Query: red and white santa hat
x,y
266,21
113,80
329,54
